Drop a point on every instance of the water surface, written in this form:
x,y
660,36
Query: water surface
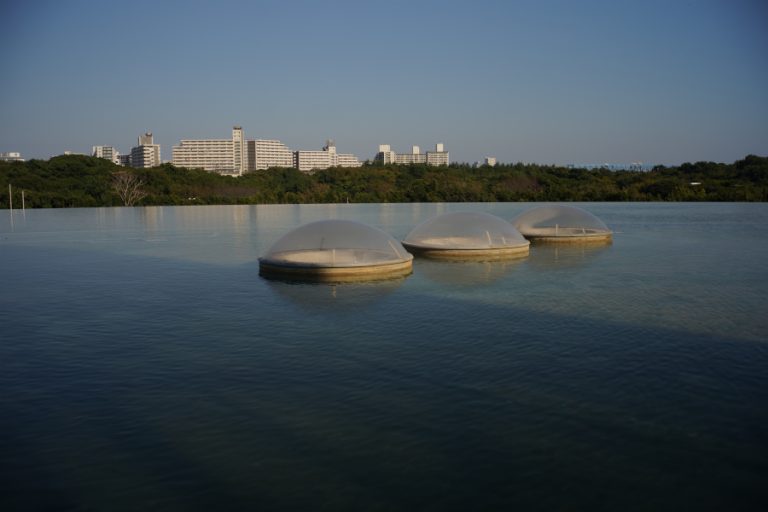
x,y
144,364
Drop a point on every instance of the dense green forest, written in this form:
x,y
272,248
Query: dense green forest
x,y
76,181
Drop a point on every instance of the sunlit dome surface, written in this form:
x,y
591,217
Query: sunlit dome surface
x,y
561,223
336,250
466,235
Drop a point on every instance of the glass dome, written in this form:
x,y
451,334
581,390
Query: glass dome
x,y
336,250
466,235
560,223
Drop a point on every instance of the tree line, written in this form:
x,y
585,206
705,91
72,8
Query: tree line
x,y
82,181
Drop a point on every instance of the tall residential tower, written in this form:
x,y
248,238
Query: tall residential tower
x,y
146,153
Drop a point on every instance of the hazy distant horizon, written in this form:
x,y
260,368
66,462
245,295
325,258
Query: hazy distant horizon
x,y
548,82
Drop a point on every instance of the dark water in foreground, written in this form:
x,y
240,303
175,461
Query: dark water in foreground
x,y
144,365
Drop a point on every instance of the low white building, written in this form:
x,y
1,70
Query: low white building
x,y
11,156
437,157
347,160
306,161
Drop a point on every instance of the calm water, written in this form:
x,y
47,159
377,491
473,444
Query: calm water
x,y
144,365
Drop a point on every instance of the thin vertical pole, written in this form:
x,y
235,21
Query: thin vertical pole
x,y
10,204
23,204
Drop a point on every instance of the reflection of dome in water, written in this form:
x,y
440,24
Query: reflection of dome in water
x,y
343,298
560,223
466,273
336,250
547,257
466,235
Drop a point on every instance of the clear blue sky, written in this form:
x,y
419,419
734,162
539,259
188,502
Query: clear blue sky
x,y
547,81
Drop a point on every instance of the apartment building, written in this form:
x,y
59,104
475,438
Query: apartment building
x,y
347,160
107,153
223,156
146,153
414,157
306,161
385,154
11,156
263,154
437,157
238,155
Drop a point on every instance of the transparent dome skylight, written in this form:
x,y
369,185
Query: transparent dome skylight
x,y
466,235
336,250
561,223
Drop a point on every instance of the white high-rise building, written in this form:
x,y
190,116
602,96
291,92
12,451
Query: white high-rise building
x,y
223,156
308,160
239,164
415,157
239,155
439,156
107,153
146,153
264,154
385,154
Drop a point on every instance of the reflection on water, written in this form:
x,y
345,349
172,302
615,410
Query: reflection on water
x,y
545,257
152,218
465,273
342,297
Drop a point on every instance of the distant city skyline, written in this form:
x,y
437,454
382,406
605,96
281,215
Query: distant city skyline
x,y
550,82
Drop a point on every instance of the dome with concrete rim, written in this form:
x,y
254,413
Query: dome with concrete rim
x,y
336,250
561,223
466,235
